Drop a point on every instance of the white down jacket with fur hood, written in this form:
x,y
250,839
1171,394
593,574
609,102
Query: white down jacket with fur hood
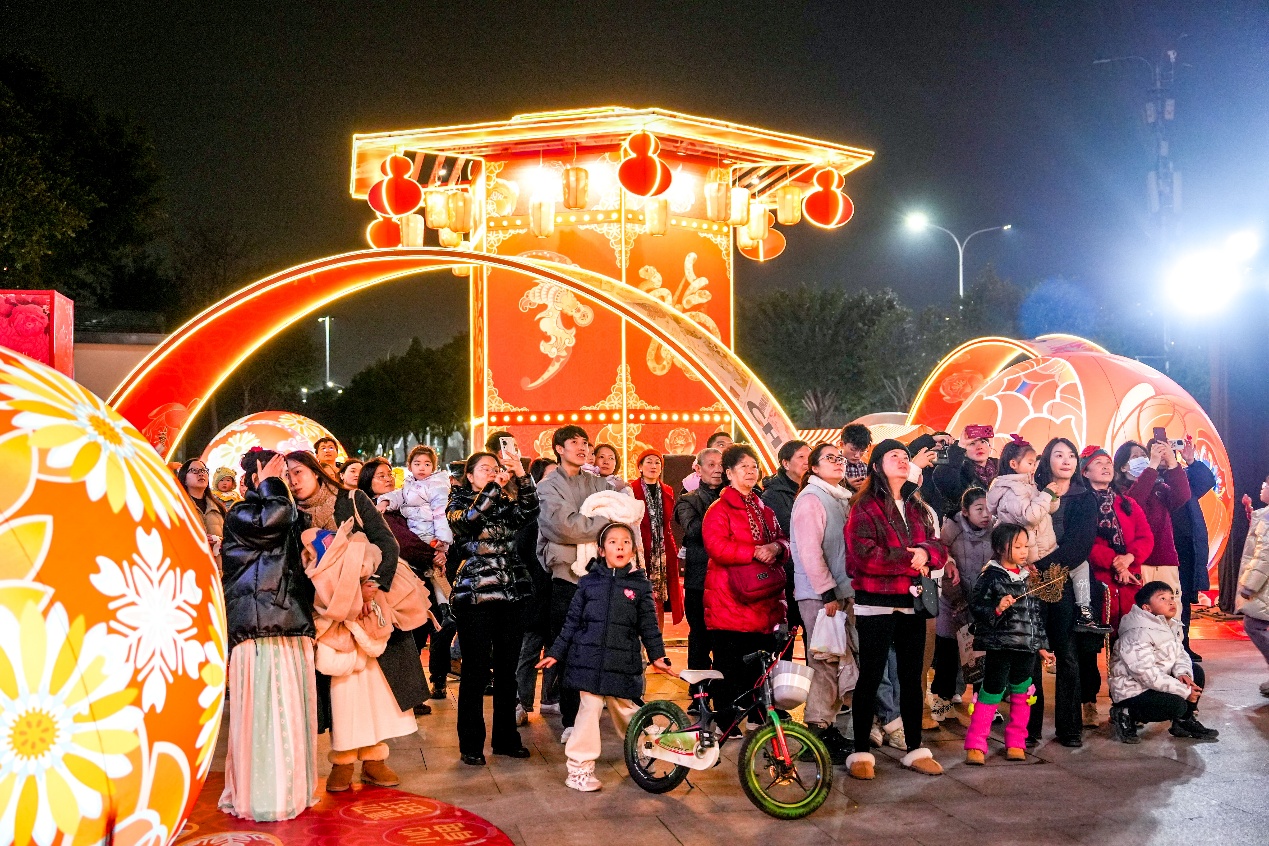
x,y
1014,498
1148,656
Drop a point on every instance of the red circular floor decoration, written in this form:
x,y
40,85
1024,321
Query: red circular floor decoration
x,y
361,817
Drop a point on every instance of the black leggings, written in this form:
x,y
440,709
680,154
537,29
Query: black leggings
x,y
947,666
730,649
1155,706
1005,671
877,633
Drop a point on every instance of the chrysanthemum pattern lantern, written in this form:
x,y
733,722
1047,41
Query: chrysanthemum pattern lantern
x,y
436,209
112,652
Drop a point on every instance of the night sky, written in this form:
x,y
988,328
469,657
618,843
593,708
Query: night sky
x,y
980,113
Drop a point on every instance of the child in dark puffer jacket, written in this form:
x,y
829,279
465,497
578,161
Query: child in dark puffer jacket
x,y
1009,627
612,611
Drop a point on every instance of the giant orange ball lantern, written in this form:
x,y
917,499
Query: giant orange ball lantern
x,y
1070,388
112,624
280,431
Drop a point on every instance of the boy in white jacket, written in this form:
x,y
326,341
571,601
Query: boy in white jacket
x,y
1253,579
1151,675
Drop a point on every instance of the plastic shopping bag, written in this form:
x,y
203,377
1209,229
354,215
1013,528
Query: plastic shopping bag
x,y
971,660
828,640
847,675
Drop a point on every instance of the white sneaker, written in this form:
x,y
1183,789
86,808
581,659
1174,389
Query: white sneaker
x,y
568,732
875,736
585,782
549,708
897,740
940,708
522,716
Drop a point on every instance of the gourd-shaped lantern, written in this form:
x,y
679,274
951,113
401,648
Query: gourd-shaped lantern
x,y
460,211
641,171
542,217
738,214
757,223
396,194
384,233
412,230
436,209
828,206
717,195
576,186
788,204
448,237
768,248
656,215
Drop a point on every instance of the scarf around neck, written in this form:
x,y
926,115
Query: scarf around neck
x,y
320,508
1108,528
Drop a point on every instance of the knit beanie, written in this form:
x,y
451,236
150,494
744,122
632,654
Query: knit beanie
x,y
638,468
879,451
223,473
1090,452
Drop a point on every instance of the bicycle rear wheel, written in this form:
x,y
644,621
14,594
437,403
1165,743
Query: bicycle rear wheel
x,y
785,791
653,774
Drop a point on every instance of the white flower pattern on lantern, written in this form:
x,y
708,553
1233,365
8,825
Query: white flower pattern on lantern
x,y
155,606
214,675
84,440
66,722
230,452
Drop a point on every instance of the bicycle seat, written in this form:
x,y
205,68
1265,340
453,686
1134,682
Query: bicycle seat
x,y
694,676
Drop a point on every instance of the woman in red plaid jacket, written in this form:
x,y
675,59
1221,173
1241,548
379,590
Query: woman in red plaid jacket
x,y
890,543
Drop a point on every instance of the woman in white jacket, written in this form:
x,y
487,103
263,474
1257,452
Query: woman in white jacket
x,y
1253,579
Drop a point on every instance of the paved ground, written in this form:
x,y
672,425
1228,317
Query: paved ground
x,y
1161,791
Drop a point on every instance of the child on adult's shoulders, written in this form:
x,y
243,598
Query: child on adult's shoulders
x,y
1152,678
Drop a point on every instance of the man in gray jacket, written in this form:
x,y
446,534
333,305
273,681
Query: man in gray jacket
x,y
561,527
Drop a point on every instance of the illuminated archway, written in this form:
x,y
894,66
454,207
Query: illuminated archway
x,y
169,387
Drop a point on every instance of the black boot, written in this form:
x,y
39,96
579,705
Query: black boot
x,y
1122,727
838,747
1086,623
1189,726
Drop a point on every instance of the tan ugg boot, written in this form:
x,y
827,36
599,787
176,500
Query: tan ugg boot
x,y
921,760
378,773
861,765
340,778
975,757
1016,754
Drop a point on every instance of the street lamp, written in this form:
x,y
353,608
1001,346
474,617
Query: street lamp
x,y
919,221
327,321
1207,280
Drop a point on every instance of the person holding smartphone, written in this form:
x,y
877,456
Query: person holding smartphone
x,y
1153,478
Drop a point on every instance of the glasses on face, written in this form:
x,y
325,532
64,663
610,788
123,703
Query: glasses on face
x,y
383,475
198,471
835,459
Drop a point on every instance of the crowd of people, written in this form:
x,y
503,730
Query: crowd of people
x,y
954,577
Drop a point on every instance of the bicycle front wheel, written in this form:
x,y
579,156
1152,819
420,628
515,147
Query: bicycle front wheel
x,y
785,791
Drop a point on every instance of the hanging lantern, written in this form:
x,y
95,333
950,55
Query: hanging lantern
x,y
828,206
743,239
717,201
757,223
436,209
448,237
542,217
788,204
460,211
656,216
384,233
641,171
396,194
412,230
738,214
768,248
576,184
463,269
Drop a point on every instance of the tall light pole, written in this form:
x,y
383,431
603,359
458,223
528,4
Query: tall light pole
x,y
326,320
918,221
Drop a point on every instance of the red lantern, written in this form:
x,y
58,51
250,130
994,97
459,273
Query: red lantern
x,y
827,206
641,171
384,234
396,194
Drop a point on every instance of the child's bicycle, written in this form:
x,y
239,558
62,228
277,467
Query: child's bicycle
x,y
784,769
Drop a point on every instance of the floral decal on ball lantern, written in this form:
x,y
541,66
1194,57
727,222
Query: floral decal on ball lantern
x,y
112,652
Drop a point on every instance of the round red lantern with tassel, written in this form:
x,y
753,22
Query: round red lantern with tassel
x,y
396,194
827,205
641,171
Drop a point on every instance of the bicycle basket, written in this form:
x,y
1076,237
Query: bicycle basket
x,y
790,684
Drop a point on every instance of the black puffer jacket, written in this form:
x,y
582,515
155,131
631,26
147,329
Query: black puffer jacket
x,y
612,611
689,513
485,526
266,591
1020,628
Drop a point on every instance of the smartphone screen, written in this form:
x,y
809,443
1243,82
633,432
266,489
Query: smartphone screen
x,y
1160,434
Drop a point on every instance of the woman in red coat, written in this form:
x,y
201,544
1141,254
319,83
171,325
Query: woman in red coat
x,y
1153,478
1124,539
660,552
744,579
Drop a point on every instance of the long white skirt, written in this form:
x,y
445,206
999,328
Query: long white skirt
x,y
364,711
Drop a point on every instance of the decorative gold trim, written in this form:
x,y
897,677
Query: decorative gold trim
x,y
623,388
493,402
